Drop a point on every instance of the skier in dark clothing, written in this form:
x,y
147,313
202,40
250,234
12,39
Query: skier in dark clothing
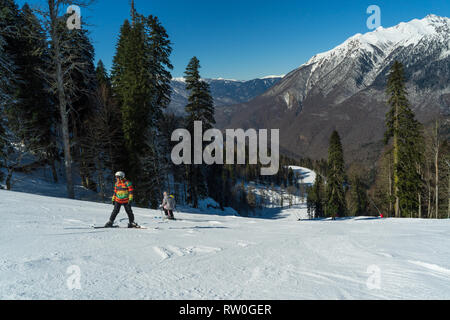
x,y
168,206
123,196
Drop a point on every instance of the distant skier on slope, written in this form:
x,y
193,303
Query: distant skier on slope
x,y
168,205
123,196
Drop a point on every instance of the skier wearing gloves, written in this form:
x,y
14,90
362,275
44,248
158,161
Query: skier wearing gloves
x,y
123,196
168,205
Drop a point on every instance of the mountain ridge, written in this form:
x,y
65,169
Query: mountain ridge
x,y
224,91
344,89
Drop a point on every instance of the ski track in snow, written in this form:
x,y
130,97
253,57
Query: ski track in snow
x,y
203,256
432,267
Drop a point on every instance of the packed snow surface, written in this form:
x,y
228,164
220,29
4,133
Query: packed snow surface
x,y
46,246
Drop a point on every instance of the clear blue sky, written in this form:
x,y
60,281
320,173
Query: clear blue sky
x,y
246,39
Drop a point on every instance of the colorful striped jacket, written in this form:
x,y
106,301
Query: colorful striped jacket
x,y
123,192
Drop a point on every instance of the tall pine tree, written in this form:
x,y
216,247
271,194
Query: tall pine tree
x,y
141,84
8,82
405,131
10,23
36,108
336,204
131,80
200,107
156,157
315,201
8,19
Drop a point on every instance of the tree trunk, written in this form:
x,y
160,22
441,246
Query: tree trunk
x,y
53,10
9,178
429,201
65,132
101,180
420,205
436,163
419,194
437,187
390,187
54,173
448,196
396,160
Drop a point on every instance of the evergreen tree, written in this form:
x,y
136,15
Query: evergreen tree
x,y
9,45
5,68
335,178
120,62
8,19
291,177
132,86
405,132
216,181
156,159
10,22
7,72
227,186
199,108
315,199
201,104
35,108
18,135
141,82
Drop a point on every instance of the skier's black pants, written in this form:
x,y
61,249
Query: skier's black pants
x,y
116,211
169,213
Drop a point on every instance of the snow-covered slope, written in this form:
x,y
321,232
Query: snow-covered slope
x,y
45,243
304,175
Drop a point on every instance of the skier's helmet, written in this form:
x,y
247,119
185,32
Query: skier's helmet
x,y
120,175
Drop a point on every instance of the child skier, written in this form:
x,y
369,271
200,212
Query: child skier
x,y
123,196
168,205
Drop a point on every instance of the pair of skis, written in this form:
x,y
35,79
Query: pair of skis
x,y
164,219
118,227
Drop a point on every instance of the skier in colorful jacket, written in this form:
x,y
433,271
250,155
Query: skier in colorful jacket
x,y
123,196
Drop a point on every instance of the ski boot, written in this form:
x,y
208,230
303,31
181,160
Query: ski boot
x,y
134,225
109,224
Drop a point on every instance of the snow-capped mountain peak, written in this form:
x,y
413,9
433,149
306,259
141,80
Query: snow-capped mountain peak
x,y
361,59
387,39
